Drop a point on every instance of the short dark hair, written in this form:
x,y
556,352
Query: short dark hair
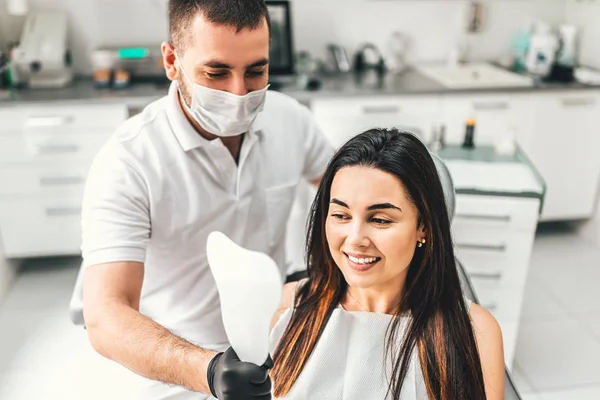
x,y
236,13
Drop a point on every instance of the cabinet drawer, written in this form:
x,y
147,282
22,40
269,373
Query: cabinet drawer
x,y
505,305
491,238
44,116
56,147
502,213
44,227
52,180
506,259
501,299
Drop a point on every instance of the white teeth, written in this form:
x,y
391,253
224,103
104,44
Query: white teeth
x,y
362,260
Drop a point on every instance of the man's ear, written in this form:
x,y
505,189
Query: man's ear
x,y
169,61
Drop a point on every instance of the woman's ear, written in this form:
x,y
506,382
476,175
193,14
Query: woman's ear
x,y
421,233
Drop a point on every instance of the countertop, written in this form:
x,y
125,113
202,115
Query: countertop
x,y
487,154
410,82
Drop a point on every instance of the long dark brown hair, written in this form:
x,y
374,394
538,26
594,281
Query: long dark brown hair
x,y
439,326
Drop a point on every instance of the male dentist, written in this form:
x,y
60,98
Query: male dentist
x,y
219,152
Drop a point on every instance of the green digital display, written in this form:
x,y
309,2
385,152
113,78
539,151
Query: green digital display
x,y
133,53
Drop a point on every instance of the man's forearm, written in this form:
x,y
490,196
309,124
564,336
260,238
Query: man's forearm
x,y
148,349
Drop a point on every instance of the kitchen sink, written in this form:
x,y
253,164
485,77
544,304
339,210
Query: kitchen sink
x,y
473,75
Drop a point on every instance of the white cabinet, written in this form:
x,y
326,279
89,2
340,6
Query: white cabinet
x,y
564,145
496,115
45,154
343,118
494,238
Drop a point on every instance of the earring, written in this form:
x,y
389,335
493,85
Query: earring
x,y
421,243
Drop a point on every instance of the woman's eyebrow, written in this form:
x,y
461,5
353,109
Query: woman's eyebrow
x,y
379,206
383,206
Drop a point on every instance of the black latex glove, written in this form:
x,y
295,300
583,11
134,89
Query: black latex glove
x,y
232,379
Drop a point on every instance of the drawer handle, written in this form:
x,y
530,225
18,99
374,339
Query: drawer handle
x,y
40,122
381,109
503,218
57,149
488,247
495,276
490,106
62,211
61,180
585,101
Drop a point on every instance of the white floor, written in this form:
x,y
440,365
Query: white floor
x,y
43,356
558,350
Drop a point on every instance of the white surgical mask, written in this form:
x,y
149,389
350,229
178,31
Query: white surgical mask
x,y
222,113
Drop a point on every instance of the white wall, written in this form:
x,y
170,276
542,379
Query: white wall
x,y
433,25
586,16
137,22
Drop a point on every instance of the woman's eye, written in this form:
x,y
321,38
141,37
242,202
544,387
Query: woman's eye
x,y
339,216
380,221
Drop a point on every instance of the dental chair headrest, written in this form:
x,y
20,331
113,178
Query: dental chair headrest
x,y
447,185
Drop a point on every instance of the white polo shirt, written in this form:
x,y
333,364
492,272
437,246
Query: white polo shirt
x,y
157,189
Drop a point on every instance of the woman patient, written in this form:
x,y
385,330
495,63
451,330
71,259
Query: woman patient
x,y
381,314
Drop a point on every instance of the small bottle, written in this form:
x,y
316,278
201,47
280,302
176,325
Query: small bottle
x,y
438,141
469,142
506,145
121,79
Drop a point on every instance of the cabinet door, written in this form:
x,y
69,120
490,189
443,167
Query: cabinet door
x,y
40,227
343,118
64,179
495,115
565,148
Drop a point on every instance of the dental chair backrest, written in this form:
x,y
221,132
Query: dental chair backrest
x,y
76,305
447,185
